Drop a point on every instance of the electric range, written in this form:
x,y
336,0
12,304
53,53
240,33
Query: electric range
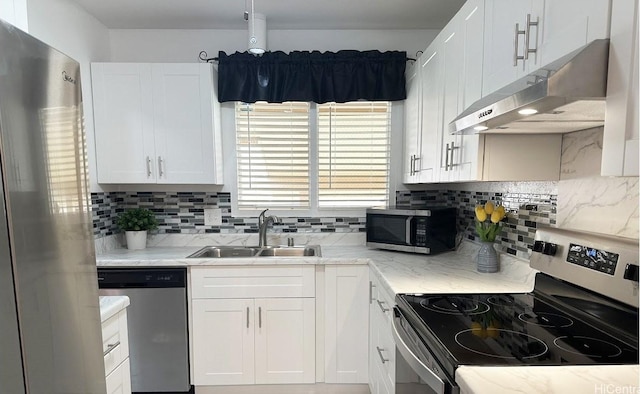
x,y
583,311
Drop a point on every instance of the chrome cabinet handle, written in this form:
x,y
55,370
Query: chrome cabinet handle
x,y
260,317
371,286
412,170
384,360
148,167
380,303
247,317
453,147
517,57
111,347
446,159
160,166
527,37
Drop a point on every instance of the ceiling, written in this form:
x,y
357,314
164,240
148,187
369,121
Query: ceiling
x,y
281,14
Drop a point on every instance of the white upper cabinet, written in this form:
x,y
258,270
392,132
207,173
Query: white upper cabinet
x,y
621,139
412,126
431,116
505,56
569,25
523,35
156,123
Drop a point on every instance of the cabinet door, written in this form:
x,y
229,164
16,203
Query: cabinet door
x,y
223,338
621,137
412,127
501,17
184,123
451,67
119,381
431,114
346,324
571,24
285,340
123,116
468,158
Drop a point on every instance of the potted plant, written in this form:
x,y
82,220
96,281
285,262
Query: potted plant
x,y
135,223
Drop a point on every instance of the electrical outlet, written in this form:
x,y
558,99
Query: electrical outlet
x,y
212,217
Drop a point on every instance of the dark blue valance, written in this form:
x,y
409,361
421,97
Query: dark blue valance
x,y
318,77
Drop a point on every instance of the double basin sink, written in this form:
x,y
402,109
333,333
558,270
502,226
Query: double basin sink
x,y
256,251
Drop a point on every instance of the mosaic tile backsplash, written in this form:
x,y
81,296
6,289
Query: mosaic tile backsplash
x,y
525,212
183,212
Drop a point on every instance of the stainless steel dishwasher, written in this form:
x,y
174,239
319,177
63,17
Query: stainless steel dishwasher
x,y
157,325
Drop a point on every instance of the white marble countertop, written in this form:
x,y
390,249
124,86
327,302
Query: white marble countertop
x,y
110,305
549,379
400,272
451,272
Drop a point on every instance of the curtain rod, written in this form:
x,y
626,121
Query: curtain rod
x,y
204,57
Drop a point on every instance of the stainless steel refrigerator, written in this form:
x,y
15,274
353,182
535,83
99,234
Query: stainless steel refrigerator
x,y
50,337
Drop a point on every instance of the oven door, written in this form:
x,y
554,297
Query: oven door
x,y
416,369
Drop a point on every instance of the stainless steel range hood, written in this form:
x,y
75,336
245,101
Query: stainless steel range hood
x,y
568,95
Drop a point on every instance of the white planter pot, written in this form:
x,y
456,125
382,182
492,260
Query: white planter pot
x,y
136,239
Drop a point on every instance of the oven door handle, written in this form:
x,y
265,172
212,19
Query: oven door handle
x,y
429,377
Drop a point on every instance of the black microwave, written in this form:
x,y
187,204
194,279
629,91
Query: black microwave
x,y
426,231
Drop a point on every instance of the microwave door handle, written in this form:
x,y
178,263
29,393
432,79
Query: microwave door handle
x,y
427,375
408,230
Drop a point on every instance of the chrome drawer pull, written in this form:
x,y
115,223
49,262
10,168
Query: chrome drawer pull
x,y
385,310
384,360
247,317
111,347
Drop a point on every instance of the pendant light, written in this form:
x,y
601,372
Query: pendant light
x,y
257,43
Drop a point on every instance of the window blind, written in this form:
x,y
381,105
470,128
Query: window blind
x,y
353,154
272,148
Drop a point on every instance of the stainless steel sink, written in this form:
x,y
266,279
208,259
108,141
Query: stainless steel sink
x,y
281,251
254,251
225,252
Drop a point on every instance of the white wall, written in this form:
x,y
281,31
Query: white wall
x,y
68,28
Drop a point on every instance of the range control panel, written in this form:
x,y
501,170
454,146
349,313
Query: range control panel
x,y
595,259
605,264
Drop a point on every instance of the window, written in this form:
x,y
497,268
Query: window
x,y
353,154
308,157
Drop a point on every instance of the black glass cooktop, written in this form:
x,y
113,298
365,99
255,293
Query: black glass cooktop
x,y
509,329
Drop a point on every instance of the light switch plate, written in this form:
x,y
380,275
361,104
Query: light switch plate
x,y
212,217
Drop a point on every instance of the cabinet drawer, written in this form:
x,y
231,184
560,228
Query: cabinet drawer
x,y
253,282
115,344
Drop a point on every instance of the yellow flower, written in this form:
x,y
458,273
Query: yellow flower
x,y
500,209
481,215
489,207
496,217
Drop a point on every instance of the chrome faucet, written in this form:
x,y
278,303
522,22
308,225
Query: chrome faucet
x,y
263,223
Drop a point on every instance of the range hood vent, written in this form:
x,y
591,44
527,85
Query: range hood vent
x,y
567,95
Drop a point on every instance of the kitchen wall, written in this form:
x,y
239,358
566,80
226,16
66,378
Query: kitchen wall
x,y
581,200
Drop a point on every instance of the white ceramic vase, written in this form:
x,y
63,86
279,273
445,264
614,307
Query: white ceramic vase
x,y
136,239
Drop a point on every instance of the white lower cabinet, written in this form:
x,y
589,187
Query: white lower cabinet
x,y
257,340
382,349
115,346
346,324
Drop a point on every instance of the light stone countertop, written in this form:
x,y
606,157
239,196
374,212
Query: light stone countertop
x,y
110,305
450,272
607,379
400,272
